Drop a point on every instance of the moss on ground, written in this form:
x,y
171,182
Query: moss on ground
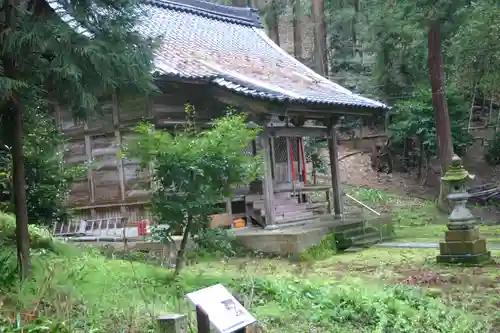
x,y
375,290
415,220
368,291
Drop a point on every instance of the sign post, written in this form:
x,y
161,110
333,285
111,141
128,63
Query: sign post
x,y
216,306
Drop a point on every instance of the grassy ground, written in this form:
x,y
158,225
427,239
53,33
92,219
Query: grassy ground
x,y
378,290
375,290
415,220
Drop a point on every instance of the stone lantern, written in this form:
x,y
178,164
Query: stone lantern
x,y
463,244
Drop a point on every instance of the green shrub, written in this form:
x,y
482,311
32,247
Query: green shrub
x,y
39,236
216,241
492,155
48,177
338,307
415,117
321,251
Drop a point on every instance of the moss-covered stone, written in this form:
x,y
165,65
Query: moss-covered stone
x,y
462,235
473,260
475,247
456,172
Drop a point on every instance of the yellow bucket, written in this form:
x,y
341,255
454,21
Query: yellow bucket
x,y
239,223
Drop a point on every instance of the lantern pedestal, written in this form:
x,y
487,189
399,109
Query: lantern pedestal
x,y
464,247
463,243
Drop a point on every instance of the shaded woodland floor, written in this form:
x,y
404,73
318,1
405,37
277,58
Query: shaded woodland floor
x,y
356,170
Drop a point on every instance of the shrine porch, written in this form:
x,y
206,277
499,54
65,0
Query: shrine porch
x,y
355,231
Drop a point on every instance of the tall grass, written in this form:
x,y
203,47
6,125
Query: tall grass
x,y
81,291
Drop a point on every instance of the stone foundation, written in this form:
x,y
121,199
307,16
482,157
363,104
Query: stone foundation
x,y
464,247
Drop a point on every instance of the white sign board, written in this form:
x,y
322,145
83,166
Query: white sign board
x,y
225,313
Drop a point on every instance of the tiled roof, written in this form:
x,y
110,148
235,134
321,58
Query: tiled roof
x,y
226,46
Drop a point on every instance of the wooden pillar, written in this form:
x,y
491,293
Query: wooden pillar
x,y
90,172
288,165
254,148
229,206
334,168
267,184
119,162
202,321
273,159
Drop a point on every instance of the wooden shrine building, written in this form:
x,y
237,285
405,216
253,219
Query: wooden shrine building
x,y
213,57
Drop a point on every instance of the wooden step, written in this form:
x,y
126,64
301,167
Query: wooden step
x,y
259,216
261,203
297,222
307,205
367,242
285,215
294,215
350,233
288,208
369,235
349,225
260,197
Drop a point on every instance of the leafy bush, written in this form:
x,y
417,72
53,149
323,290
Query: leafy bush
x,y
415,118
194,171
217,241
47,176
492,155
39,236
325,249
357,308
101,295
313,154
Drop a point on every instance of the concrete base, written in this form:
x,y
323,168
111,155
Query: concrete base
x,y
467,259
464,246
281,241
474,247
276,239
298,238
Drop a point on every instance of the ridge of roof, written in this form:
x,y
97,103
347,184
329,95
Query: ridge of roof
x,y
237,15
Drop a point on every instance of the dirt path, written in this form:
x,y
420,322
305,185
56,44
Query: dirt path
x,y
356,170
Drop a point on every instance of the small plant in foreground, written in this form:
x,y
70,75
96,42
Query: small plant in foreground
x,y
216,241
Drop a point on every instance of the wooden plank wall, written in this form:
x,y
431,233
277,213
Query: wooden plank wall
x,y
116,187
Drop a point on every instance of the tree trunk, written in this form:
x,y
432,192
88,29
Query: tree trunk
x,y
179,261
272,22
13,114
238,3
297,29
21,205
318,13
355,48
443,126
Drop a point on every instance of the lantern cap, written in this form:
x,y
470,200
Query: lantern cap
x,y
456,171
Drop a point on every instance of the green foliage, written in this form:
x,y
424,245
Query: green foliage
x,y
475,49
492,155
101,295
74,69
193,172
39,236
217,241
313,154
415,118
345,308
48,177
379,48
325,249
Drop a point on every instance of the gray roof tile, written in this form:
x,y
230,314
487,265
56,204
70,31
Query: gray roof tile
x,y
227,47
